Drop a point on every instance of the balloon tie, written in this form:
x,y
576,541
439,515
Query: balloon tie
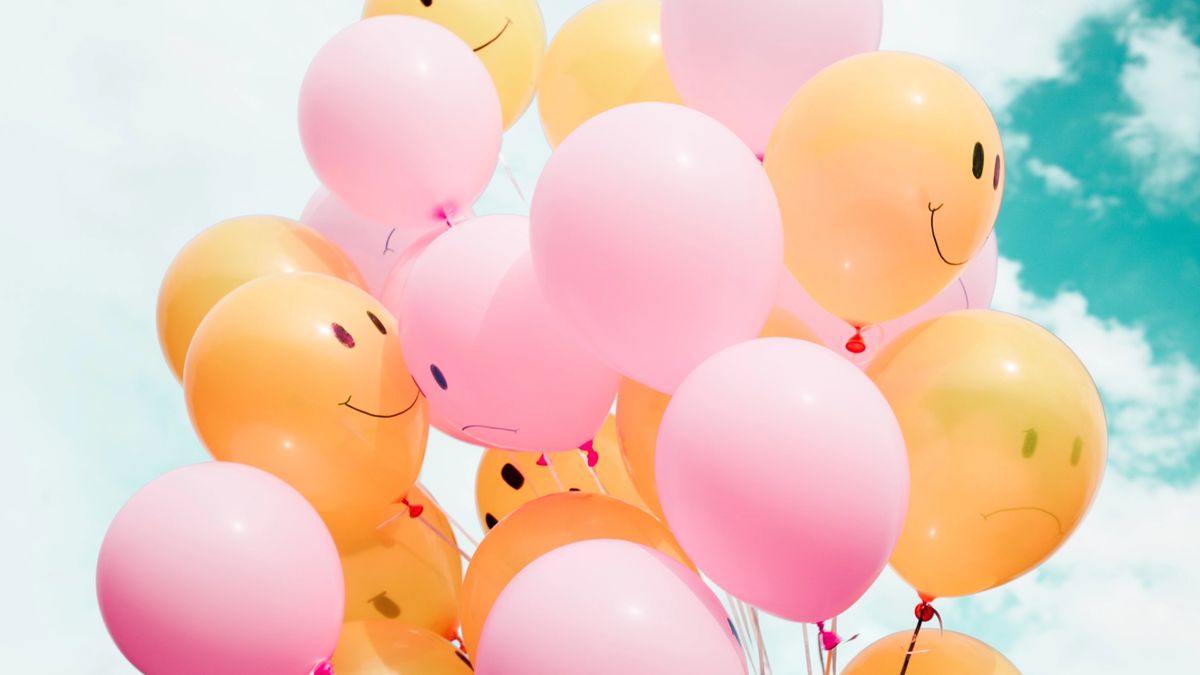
x,y
323,668
541,460
924,612
592,456
414,510
856,344
830,639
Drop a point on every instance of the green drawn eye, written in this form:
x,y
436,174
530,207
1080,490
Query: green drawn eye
x,y
1030,444
1076,451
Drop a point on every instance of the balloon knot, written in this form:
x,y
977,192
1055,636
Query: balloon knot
x,y
592,456
541,461
414,510
856,344
829,639
925,612
323,668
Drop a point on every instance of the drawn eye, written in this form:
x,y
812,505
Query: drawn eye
x,y
513,476
385,605
378,324
1030,444
427,3
343,335
996,175
438,376
977,161
1076,451
490,520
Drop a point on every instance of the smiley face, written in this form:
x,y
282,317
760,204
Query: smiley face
x,y
890,173
1006,438
486,349
507,35
302,375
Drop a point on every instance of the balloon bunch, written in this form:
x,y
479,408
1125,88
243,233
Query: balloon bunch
x,y
768,243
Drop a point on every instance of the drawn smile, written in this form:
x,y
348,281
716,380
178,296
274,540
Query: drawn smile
x,y
371,414
488,426
1036,509
933,231
507,23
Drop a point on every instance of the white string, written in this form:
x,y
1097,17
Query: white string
x,y
742,633
512,178
462,531
807,653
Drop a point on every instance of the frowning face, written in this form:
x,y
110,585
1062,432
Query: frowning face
x,y
302,375
507,35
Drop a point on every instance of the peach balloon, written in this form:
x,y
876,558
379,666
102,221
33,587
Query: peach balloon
x,y
397,567
383,647
1007,441
507,479
936,653
889,172
228,255
543,525
302,375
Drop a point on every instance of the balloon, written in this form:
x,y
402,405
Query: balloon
x,y
605,606
640,410
228,255
872,245
398,567
543,525
400,120
782,471
485,348
1007,441
507,35
656,235
220,568
374,248
972,290
741,61
302,375
936,653
607,55
382,647
507,479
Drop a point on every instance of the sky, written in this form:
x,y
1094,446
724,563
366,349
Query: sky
x,y
125,128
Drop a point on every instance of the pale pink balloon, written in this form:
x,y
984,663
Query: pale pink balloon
x,y
741,61
485,348
607,607
657,237
972,290
220,568
400,119
782,472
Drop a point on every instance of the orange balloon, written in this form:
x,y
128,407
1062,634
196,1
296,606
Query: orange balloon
x,y
508,479
936,653
889,172
301,375
541,526
228,255
640,410
386,647
398,567
608,55
1006,442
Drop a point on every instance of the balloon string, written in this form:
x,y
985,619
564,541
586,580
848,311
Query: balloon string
x,y
554,473
742,633
912,644
834,629
807,652
755,653
592,470
512,178
442,535
462,531
924,612
762,644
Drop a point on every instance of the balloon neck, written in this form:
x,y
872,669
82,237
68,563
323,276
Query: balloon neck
x,y
414,510
323,668
856,344
592,456
829,639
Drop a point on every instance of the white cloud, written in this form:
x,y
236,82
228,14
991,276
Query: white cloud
x,y
1000,47
1163,134
1057,179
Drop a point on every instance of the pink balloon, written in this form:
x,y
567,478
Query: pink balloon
x,y
603,607
220,568
400,120
656,235
782,471
484,347
741,61
972,290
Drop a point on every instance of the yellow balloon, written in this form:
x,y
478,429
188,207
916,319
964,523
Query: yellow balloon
x,y
889,172
607,55
397,567
301,375
508,479
507,35
640,411
228,255
390,647
1006,442
543,525
936,653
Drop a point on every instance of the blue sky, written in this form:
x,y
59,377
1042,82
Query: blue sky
x,y
125,130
